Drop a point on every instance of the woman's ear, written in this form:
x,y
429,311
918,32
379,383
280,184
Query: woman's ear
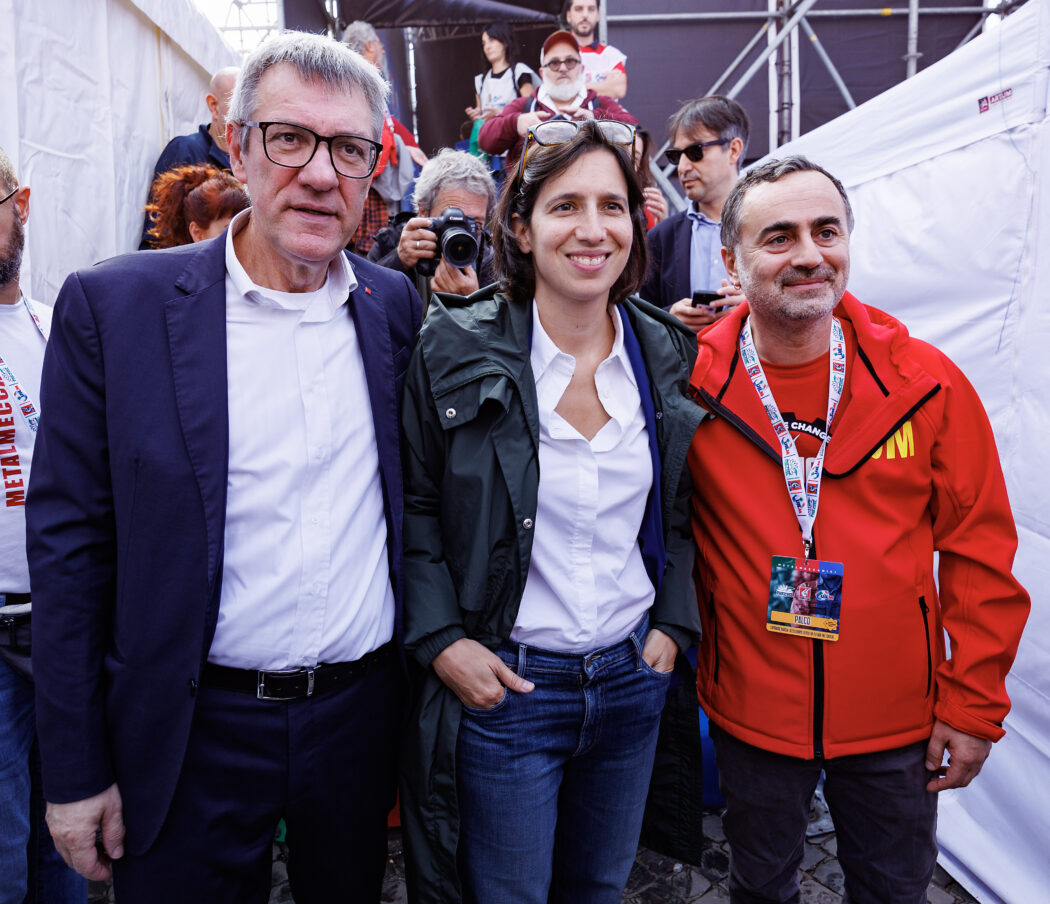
x,y
521,233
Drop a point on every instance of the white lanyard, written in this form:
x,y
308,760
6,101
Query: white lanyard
x,y
804,494
15,390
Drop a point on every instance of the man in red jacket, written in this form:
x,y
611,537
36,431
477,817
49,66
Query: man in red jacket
x,y
563,93
858,453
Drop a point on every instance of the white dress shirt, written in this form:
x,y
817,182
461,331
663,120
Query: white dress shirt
x,y
305,574
587,585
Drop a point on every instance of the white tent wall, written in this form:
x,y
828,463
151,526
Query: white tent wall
x,y
91,94
948,175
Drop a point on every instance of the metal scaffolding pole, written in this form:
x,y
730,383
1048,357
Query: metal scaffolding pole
x,y
740,58
912,56
800,10
873,12
826,60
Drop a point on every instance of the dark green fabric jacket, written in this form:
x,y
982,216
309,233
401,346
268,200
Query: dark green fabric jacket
x,y
471,475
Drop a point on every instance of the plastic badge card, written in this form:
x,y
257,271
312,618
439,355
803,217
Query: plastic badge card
x,y
805,597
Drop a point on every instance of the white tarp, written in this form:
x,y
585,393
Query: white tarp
x,y
90,92
949,174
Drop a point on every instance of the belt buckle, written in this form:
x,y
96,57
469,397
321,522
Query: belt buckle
x,y
260,687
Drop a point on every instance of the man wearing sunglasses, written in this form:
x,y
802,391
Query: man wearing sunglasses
x,y
214,523
563,94
708,139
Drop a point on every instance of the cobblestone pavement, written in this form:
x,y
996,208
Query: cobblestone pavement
x,y
654,879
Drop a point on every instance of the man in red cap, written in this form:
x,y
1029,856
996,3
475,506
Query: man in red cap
x,y
563,93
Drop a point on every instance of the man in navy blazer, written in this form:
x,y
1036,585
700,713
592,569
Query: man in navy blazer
x,y
215,523
708,139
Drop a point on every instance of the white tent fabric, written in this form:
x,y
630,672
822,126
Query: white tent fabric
x,y
91,93
949,174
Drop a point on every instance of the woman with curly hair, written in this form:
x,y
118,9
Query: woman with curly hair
x,y
192,203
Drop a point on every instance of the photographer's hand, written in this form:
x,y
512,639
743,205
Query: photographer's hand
x,y
451,279
417,242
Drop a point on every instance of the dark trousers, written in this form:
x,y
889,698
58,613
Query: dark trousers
x,y
885,821
326,764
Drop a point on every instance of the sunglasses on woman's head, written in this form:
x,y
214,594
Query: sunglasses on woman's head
x,y
559,131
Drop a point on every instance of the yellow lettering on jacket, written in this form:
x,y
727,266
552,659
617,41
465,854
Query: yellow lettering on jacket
x,y
900,445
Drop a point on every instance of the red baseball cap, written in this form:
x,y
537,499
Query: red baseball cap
x,y
559,37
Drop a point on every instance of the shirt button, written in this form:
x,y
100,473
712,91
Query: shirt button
x,y
450,413
527,524
659,414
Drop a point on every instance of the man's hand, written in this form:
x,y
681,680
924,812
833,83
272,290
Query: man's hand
x,y
527,120
73,829
580,113
416,242
696,318
659,651
966,755
477,675
451,279
417,155
655,203
473,112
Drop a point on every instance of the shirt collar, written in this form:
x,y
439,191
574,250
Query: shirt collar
x,y
697,217
319,305
544,351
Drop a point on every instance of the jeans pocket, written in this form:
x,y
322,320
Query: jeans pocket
x,y
644,666
488,711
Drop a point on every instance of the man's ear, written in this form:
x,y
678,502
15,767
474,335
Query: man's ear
x,y
21,202
729,259
736,148
213,104
233,142
521,233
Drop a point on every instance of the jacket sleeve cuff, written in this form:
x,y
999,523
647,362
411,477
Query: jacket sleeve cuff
x,y
683,638
434,643
968,723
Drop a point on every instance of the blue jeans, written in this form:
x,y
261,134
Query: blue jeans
x,y
552,784
30,868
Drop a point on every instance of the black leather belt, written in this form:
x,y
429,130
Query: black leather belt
x,y
14,599
293,684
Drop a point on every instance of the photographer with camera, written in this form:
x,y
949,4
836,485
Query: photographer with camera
x,y
454,198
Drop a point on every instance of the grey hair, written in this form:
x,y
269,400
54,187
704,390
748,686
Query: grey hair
x,y
8,176
317,59
358,34
453,169
771,171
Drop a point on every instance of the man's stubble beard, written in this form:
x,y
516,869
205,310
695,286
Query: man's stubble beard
x,y
11,256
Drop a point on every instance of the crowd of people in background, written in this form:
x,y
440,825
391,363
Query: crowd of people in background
x,y
260,531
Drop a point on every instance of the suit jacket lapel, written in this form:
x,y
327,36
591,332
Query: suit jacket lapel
x,y
683,256
196,320
369,311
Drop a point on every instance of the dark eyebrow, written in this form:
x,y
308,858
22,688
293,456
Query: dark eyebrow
x,y
787,226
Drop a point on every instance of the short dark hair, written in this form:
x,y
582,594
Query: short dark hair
x,y
771,171
568,5
514,268
501,31
718,114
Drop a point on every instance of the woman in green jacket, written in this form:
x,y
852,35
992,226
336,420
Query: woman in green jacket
x,y
548,558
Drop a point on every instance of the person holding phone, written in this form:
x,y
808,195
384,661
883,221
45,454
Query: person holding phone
x,y
547,563
686,275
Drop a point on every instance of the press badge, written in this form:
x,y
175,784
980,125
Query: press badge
x,y
805,597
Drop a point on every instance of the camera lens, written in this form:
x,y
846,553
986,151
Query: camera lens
x,y
459,247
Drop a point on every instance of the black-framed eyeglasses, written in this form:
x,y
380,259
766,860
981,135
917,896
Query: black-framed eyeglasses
x,y
694,152
568,64
294,146
559,131
11,195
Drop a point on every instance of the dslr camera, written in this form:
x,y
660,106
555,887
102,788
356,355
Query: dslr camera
x,y
455,240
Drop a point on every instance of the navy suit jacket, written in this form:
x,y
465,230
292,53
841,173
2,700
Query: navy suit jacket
x,y
127,502
667,279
